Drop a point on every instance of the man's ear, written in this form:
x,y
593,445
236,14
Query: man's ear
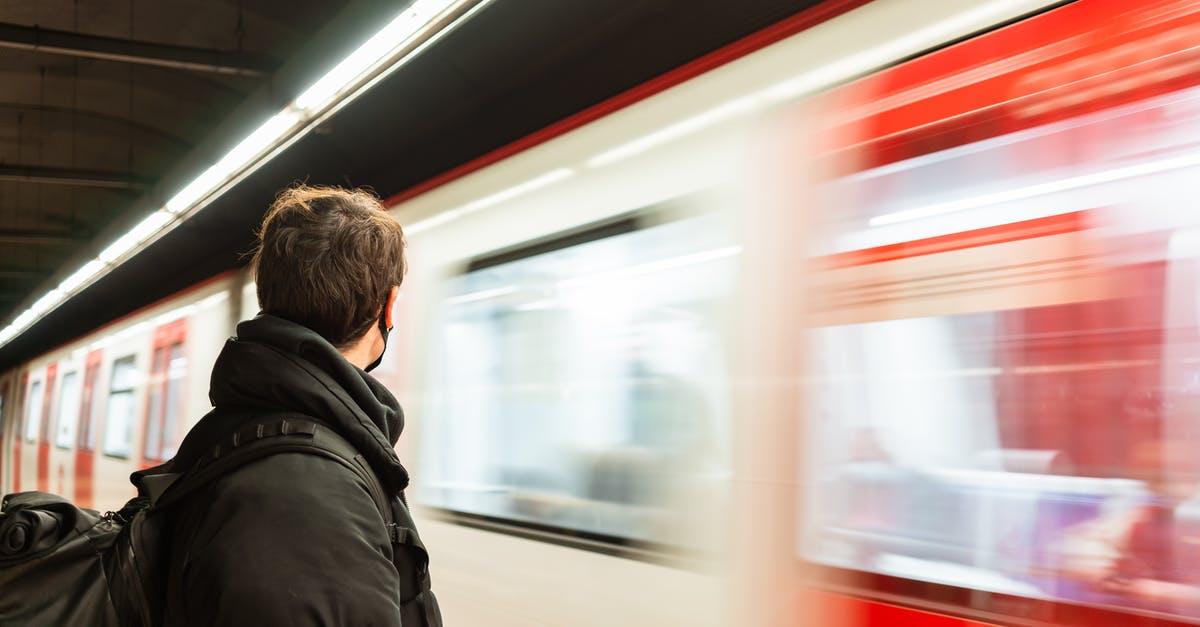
x,y
390,306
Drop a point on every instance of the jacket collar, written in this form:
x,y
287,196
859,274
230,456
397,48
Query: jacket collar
x,y
275,365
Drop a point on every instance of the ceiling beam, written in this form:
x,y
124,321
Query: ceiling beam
x,y
42,238
21,275
132,51
70,177
100,116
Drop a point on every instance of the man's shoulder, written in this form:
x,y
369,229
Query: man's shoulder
x,y
292,473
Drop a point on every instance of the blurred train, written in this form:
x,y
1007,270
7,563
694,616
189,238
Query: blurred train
x,y
889,314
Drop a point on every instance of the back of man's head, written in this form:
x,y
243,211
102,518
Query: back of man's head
x,y
327,258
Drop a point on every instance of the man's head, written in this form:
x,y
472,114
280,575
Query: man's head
x,y
328,259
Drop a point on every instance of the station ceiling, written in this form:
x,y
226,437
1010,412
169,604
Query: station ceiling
x,y
103,103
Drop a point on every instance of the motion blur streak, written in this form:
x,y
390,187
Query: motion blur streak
x,y
1002,383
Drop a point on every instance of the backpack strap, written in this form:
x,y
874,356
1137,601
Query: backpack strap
x,y
268,435
271,434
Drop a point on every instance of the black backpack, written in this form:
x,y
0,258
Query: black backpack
x,y
63,565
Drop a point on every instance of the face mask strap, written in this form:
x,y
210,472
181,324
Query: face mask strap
x,y
383,330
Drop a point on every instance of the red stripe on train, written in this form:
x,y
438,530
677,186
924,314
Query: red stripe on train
x,y
1081,58
1014,231
838,610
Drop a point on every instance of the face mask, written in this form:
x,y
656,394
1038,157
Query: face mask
x,y
384,330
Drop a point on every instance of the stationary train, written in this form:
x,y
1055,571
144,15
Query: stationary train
x,y
887,314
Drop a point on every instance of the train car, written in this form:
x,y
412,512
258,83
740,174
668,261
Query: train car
x,y
885,315
999,399
86,414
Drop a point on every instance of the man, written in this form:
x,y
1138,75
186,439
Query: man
x,y
293,538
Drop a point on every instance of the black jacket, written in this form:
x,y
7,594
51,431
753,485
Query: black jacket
x,y
291,539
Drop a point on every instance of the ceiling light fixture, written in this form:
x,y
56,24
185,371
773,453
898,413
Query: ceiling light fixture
x,y
402,39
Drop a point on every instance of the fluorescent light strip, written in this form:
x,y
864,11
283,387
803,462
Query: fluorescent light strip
x,y
421,24
89,271
148,227
244,154
398,33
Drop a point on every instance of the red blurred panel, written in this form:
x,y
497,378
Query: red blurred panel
x,y
844,611
1098,374
43,445
85,477
85,456
166,338
18,429
1087,56
1099,427
10,403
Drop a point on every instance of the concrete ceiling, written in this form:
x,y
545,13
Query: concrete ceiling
x,y
99,98
107,105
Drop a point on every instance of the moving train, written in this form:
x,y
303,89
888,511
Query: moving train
x,y
886,314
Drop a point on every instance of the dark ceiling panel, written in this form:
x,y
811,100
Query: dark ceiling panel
x,y
99,100
517,67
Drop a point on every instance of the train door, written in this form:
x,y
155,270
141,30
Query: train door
x,y
66,412
42,433
165,393
85,445
5,409
18,411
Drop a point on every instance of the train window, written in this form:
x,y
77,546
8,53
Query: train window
x,y
166,390
33,414
993,450
87,414
119,416
68,410
173,419
579,387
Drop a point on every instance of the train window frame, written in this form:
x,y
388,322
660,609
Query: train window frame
x,y
165,393
640,219
64,402
114,370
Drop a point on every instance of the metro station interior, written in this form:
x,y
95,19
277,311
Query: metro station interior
x,y
767,313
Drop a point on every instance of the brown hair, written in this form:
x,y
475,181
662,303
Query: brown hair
x,y
327,258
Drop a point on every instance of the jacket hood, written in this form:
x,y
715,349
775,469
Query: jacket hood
x,y
275,365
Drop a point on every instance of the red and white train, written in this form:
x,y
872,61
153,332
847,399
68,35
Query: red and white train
x,y
888,314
